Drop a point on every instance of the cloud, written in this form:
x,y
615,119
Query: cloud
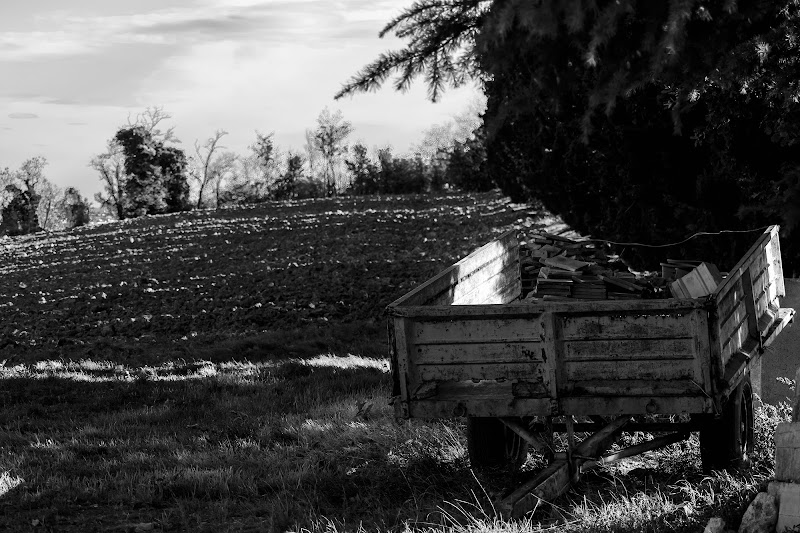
x,y
23,116
26,46
77,123
311,22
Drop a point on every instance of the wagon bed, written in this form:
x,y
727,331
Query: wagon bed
x,y
464,344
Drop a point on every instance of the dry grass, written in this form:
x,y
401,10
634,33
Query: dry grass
x,y
285,429
296,443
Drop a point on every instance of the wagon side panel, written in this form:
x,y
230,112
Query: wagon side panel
x,y
749,299
748,308
482,366
623,354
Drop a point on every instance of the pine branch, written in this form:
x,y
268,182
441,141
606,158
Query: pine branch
x,y
439,33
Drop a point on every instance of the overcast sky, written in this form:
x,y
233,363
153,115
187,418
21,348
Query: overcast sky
x,y
72,75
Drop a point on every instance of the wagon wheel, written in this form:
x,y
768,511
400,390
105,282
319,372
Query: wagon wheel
x,y
491,444
727,442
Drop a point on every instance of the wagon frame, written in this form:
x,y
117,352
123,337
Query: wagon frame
x,y
463,344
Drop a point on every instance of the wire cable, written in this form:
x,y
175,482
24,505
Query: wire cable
x,y
687,239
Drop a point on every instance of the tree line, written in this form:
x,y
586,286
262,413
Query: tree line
x,y
144,171
29,202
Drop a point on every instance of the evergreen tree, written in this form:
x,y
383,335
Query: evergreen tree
x,y
285,187
329,140
19,216
363,171
76,209
156,180
466,165
635,121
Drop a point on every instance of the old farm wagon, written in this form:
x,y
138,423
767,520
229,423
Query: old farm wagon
x,y
464,344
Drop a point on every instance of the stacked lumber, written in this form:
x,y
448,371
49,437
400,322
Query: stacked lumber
x,y
554,267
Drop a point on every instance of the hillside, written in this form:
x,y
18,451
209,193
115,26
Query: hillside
x,y
227,371
170,286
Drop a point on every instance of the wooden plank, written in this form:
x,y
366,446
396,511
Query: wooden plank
x,y
776,261
522,309
704,355
768,299
731,326
666,369
504,246
484,287
783,317
480,407
734,369
626,326
511,293
508,371
490,391
761,278
552,353
715,350
403,368
630,387
759,263
546,486
625,405
478,353
628,349
734,343
745,262
730,302
505,295
750,305
477,330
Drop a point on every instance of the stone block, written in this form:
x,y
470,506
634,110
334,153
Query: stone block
x,y
761,516
787,452
787,495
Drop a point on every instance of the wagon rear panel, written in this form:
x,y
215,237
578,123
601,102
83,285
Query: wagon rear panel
x,y
589,358
628,354
463,344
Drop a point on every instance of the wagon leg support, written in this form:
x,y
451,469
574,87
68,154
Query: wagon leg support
x,y
555,480
653,444
538,444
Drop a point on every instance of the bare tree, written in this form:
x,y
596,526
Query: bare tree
x,y
329,138
223,170
21,196
312,154
31,173
111,167
205,155
47,210
149,119
7,177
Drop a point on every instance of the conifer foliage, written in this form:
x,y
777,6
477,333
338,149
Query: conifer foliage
x,y
156,174
634,120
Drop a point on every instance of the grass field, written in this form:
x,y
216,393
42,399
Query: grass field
x,y
255,396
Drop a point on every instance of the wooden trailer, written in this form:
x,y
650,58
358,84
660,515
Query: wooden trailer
x,y
463,344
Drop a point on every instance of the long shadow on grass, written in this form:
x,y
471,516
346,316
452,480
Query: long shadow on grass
x,y
168,441
203,445
272,445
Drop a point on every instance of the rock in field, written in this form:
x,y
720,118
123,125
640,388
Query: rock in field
x,y
761,516
715,525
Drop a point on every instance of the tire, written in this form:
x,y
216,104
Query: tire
x,y
727,442
491,444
